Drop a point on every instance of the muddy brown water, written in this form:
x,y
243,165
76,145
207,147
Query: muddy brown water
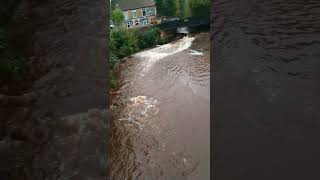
x,y
162,124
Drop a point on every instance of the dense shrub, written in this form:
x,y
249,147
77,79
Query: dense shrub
x,y
113,81
124,43
117,17
113,59
162,40
148,38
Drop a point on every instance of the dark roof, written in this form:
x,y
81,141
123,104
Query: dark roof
x,y
134,4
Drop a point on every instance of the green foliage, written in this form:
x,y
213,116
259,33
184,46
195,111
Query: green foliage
x,y
183,8
186,9
148,38
178,8
117,17
199,3
200,7
163,41
123,43
113,59
113,81
113,4
166,7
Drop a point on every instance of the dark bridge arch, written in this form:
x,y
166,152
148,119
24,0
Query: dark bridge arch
x,y
188,22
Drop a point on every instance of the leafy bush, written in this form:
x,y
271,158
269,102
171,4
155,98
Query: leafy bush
x,y
113,59
200,7
122,43
148,38
113,81
117,17
162,41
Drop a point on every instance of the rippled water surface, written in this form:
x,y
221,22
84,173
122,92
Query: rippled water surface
x,y
162,122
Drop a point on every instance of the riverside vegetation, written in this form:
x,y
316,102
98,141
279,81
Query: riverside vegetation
x,y
124,42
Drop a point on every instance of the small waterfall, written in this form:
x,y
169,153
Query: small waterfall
x,y
183,30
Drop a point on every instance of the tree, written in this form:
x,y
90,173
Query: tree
x,y
113,4
198,3
166,7
159,6
200,7
178,8
122,43
186,9
117,17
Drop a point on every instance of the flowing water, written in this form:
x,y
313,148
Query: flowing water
x,y
161,128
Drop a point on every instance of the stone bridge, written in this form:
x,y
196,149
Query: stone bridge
x,y
192,22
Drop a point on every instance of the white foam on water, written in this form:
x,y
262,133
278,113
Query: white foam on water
x,y
153,55
139,110
195,53
141,107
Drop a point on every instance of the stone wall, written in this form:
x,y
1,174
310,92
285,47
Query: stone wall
x,y
265,89
63,133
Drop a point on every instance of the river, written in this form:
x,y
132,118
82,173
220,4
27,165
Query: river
x,y
161,128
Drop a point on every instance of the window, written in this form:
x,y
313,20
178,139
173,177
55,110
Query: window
x,y
145,22
137,23
128,24
126,17
134,13
144,12
150,12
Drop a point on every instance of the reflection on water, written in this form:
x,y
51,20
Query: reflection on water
x,y
161,125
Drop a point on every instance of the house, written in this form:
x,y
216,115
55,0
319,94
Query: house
x,y
111,24
137,13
